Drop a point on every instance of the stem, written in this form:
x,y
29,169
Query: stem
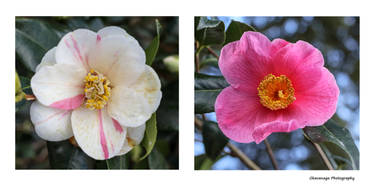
x,y
212,52
29,97
323,156
270,153
236,152
197,56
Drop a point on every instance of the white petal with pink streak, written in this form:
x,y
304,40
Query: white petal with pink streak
x,y
75,47
96,133
59,86
121,59
51,124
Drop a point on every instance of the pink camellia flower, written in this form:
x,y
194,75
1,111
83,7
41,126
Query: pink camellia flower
x,y
97,88
274,87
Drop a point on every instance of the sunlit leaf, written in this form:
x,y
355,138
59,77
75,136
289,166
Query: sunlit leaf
x,y
332,133
152,49
210,32
149,139
235,31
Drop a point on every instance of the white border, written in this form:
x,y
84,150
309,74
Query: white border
x,y
186,10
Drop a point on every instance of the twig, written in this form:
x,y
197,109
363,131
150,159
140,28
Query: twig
x,y
212,52
323,155
29,97
197,57
270,153
236,152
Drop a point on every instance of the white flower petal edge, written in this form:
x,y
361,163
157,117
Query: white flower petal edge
x,y
59,86
96,133
75,47
112,31
51,124
47,60
134,137
133,105
119,58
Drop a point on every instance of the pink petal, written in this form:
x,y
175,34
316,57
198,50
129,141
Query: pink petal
x,y
244,63
236,111
296,57
277,44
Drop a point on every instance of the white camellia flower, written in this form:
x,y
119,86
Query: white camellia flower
x,y
97,88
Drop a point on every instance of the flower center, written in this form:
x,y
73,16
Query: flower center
x,y
97,90
276,92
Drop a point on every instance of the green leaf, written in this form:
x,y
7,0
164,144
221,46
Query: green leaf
x,y
202,162
209,62
59,154
206,90
79,160
118,162
339,136
213,139
235,31
156,160
149,139
209,82
20,95
33,39
152,49
210,32
205,100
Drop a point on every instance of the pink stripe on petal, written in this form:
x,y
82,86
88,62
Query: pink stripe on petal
x,y
98,38
117,125
69,103
103,140
51,116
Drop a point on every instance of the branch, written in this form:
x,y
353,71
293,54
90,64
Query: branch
x,y
270,153
236,152
213,52
323,155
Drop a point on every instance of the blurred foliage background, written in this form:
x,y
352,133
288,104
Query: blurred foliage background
x,y
36,35
338,40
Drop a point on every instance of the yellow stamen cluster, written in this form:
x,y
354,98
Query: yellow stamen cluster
x,y
97,90
276,92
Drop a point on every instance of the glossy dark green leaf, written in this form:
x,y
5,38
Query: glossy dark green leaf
x,y
152,49
118,162
79,160
149,139
235,31
205,100
213,139
59,154
33,39
332,133
209,62
210,32
208,82
156,160
206,90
